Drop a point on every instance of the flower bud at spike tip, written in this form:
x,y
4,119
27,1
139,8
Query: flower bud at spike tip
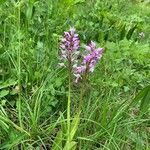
x,y
69,46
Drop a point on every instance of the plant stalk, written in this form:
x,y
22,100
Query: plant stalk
x,y
19,71
69,103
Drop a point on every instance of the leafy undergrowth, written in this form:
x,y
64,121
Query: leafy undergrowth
x,y
34,89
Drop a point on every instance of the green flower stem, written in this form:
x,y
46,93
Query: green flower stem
x,y
69,104
82,91
19,71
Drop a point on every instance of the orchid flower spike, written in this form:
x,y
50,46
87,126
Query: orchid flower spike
x,y
89,60
69,46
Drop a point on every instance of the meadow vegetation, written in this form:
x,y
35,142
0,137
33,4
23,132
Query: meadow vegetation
x,y
34,89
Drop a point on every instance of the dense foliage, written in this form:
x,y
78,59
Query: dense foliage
x,y
34,89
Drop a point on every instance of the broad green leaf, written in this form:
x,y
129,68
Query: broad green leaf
x,y
138,96
63,124
145,102
58,82
74,125
29,12
8,83
57,144
130,32
123,32
144,98
70,146
3,93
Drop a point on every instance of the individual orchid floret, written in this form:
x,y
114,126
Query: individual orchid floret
x,y
89,60
69,46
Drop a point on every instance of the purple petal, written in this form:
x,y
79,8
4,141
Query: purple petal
x,y
88,48
93,44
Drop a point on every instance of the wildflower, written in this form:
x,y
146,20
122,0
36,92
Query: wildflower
x,y
69,47
89,60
